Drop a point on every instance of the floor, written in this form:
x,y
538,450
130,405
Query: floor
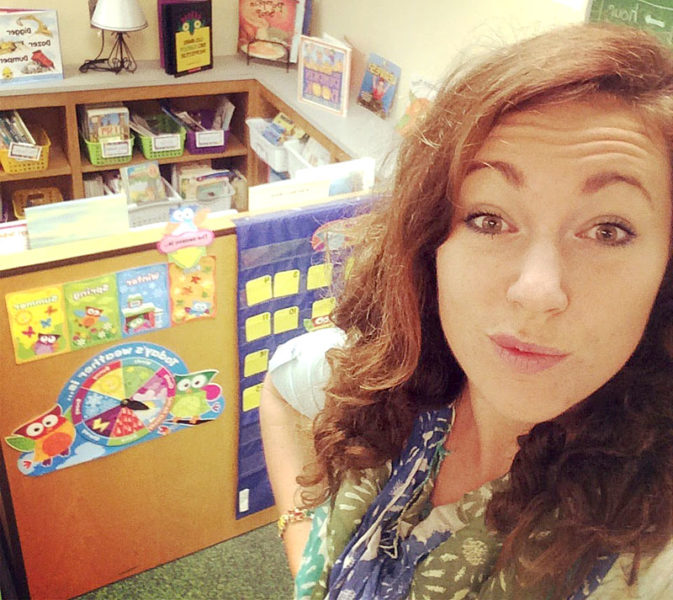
x,y
249,567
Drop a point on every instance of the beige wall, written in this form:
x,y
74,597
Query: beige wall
x,y
423,36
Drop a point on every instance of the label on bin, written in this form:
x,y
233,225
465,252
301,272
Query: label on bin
x,y
166,141
213,137
22,151
115,149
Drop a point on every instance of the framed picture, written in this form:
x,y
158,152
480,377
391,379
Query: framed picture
x,y
324,73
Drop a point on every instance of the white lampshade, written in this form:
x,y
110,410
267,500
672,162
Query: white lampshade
x,y
119,15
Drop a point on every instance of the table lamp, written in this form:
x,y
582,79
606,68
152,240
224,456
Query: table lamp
x,y
119,17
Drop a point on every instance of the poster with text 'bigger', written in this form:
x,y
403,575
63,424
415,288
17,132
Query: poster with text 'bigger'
x,y
655,16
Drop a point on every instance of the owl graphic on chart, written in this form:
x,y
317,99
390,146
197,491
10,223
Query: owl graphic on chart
x,y
46,343
49,435
193,395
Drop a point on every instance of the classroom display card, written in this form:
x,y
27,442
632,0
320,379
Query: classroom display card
x,y
29,46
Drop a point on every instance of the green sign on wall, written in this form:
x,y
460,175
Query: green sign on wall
x,y
655,17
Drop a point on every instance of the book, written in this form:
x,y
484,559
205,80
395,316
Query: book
x,y
160,20
29,46
142,183
379,85
187,36
107,122
324,73
271,30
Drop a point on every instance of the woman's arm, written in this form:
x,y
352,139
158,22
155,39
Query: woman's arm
x,y
288,446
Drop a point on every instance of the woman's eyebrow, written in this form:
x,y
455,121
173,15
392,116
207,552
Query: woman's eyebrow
x,y
600,180
511,173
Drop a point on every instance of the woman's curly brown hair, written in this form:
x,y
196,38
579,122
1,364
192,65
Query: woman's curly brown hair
x,y
604,469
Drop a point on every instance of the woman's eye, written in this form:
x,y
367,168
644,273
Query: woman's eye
x,y
488,223
610,234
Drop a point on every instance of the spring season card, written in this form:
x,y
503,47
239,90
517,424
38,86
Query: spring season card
x,y
37,323
143,299
92,311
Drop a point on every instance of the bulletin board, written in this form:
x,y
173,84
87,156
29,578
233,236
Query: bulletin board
x,y
284,289
155,498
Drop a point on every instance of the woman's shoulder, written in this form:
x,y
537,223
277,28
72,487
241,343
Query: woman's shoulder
x,y
655,578
299,369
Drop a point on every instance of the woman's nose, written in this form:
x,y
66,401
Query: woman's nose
x,y
538,286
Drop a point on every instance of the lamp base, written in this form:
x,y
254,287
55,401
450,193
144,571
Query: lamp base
x,y
119,59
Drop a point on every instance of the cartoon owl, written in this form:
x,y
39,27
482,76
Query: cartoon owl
x,y
192,395
46,343
51,434
199,308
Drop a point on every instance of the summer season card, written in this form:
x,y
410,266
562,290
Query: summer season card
x,y
192,292
37,322
92,311
143,298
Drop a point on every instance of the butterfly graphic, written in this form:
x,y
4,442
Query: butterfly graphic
x,y
45,322
50,310
29,332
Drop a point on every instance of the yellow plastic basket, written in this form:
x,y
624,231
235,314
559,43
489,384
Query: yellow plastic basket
x,y
13,165
22,199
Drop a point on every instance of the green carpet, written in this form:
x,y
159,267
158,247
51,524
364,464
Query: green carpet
x,y
249,567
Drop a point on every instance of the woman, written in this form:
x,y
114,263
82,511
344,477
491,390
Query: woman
x,y
498,420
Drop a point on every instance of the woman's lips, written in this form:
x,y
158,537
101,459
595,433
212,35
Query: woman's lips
x,y
524,357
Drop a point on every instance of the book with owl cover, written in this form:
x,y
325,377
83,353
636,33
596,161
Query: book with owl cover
x,y
188,37
37,323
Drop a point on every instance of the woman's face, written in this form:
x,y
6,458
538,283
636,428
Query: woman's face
x,y
558,247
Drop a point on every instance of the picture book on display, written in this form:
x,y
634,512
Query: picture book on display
x,y
324,73
187,36
142,183
379,85
29,46
270,29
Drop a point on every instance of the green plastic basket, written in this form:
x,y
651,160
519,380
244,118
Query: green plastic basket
x,y
166,125
95,153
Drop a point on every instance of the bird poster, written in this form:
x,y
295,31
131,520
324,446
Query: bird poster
x,y
143,299
124,395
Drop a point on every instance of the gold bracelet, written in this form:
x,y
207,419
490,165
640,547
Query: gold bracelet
x,y
292,516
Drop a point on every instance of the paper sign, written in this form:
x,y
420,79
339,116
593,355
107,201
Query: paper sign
x,y
258,290
143,299
319,276
21,151
256,362
322,307
193,292
286,283
252,397
257,327
115,149
206,139
286,319
167,141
